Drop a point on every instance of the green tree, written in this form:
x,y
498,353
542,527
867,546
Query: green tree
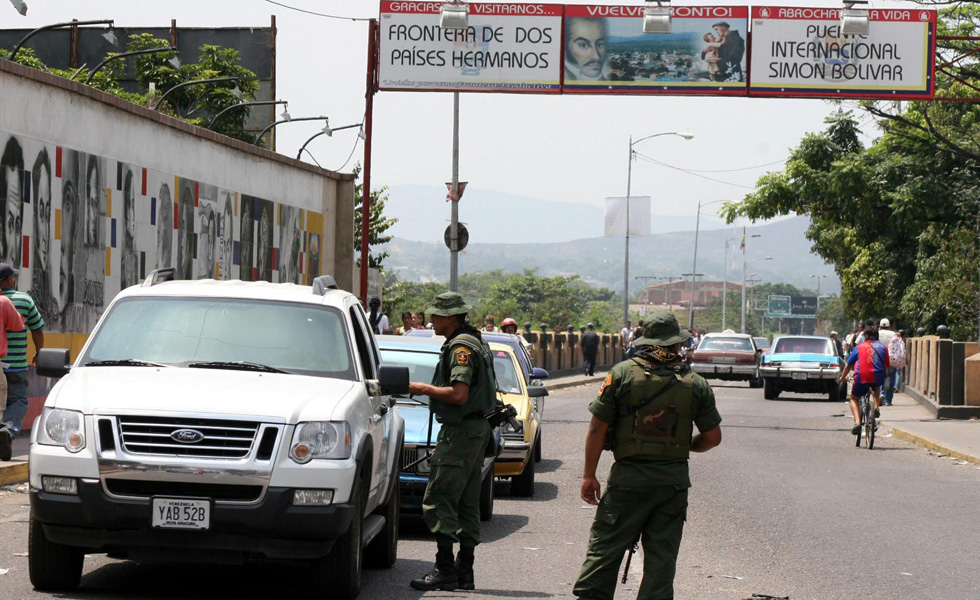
x,y
378,223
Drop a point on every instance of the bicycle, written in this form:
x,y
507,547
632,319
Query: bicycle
x,y
866,407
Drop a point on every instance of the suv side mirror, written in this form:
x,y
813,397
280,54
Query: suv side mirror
x,y
393,380
53,362
539,373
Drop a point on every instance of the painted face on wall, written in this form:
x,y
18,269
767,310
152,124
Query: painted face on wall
x,y
69,205
92,204
265,243
165,227
42,220
13,216
130,211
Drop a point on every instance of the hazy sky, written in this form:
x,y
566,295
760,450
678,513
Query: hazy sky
x,y
570,148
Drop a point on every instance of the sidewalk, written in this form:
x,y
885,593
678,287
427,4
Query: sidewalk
x,y
15,471
912,422
560,383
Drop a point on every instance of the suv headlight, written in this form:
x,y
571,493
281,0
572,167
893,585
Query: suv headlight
x,y
320,439
60,427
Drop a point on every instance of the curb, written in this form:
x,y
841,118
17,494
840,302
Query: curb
x,y
921,441
11,473
561,385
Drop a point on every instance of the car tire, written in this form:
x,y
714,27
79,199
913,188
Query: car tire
x,y
769,388
523,484
53,567
486,497
338,575
382,552
537,449
755,382
842,391
833,391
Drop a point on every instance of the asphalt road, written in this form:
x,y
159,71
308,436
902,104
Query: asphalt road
x,y
787,506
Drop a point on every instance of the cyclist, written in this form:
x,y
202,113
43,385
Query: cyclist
x,y
869,359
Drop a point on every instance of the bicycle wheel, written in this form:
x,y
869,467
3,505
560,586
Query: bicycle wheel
x,y
869,423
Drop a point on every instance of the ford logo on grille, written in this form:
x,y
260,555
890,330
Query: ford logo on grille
x,y
187,436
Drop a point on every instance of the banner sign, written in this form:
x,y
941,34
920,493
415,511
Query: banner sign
x,y
506,48
779,307
606,51
803,306
801,52
639,216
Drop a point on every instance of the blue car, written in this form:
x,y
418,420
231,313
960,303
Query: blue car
x,y
421,355
807,364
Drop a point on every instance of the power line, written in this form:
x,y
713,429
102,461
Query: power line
x,y
689,172
775,162
317,14
350,156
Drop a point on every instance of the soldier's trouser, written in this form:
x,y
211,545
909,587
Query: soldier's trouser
x,y
657,516
451,505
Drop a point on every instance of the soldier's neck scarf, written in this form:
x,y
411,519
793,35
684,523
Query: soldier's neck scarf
x,y
660,354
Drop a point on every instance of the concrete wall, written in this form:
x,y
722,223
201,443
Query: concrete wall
x,y
107,191
944,376
561,353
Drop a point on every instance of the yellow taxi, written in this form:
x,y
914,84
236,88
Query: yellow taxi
x,y
522,449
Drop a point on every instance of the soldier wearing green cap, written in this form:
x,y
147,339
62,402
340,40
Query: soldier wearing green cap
x,y
645,413
462,394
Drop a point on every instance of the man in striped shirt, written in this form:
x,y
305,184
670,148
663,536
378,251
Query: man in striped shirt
x,y
16,360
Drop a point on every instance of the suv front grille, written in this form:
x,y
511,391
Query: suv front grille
x,y
148,489
154,435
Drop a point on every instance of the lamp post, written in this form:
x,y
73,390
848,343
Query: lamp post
x,y
694,267
752,280
745,263
454,15
816,327
190,83
724,285
629,181
255,103
327,131
289,120
124,55
109,22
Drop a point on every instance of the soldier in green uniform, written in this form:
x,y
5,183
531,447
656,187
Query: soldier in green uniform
x,y
648,405
462,394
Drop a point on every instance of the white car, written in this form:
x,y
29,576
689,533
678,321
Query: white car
x,y
225,420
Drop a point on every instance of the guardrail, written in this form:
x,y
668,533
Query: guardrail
x,y
560,352
944,376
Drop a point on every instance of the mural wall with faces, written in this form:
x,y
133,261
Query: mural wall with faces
x,y
81,227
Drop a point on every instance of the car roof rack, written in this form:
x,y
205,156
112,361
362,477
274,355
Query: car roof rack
x,y
323,283
159,276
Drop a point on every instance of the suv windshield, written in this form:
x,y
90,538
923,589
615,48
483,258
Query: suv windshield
x,y
296,338
726,344
802,346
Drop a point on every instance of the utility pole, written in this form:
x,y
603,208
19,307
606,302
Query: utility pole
x,y
454,200
690,306
670,287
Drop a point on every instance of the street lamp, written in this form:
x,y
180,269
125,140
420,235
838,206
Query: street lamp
x,y
255,103
109,36
124,55
275,124
744,264
816,327
195,82
327,132
687,135
724,285
694,268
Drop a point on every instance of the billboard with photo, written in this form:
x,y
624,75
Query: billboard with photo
x,y
801,52
606,51
506,48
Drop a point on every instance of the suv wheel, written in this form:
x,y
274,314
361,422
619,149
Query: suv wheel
x,y
523,484
486,496
53,567
382,552
537,449
338,575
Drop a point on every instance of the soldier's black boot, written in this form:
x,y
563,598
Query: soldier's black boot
x,y
464,568
443,574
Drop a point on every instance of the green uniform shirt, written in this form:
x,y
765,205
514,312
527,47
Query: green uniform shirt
x,y
639,472
459,362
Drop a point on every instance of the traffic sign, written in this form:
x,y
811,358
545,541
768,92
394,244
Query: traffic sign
x,y
464,237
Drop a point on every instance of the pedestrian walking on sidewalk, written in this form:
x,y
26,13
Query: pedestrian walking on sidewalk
x,y
646,412
590,349
15,307
462,393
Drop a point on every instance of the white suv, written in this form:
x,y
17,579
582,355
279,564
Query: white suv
x,y
220,419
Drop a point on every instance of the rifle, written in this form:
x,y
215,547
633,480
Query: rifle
x,y
629,557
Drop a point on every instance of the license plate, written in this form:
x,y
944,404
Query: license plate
x,y
799,375
724,359
180,513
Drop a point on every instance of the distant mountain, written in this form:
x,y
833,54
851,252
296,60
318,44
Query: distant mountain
x,y
487,214
600,260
